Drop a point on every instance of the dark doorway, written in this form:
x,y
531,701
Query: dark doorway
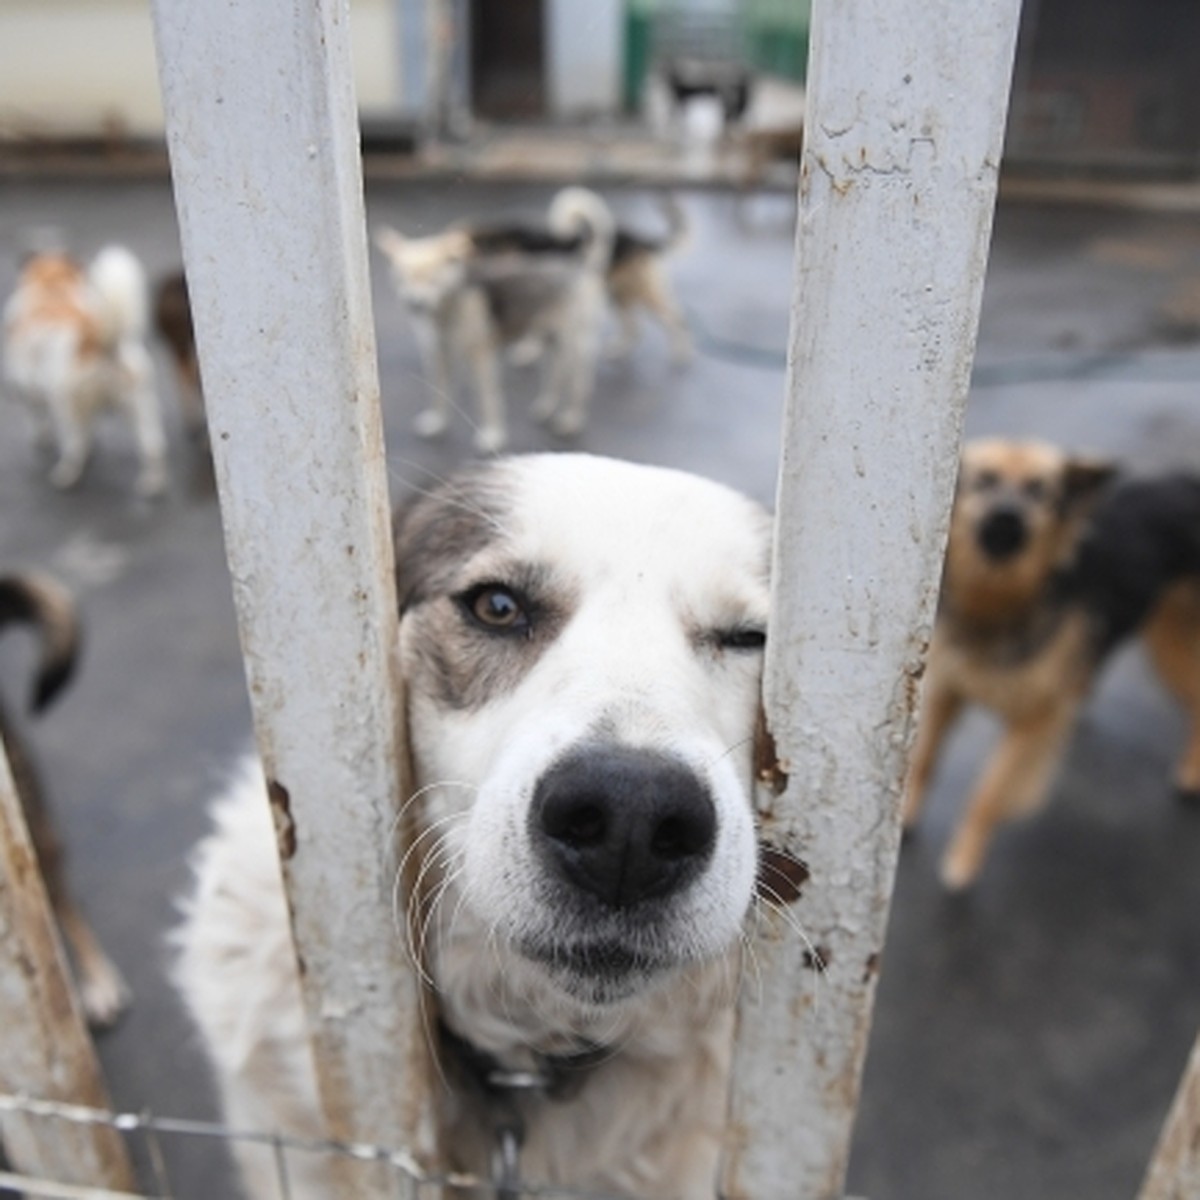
x,y
508,58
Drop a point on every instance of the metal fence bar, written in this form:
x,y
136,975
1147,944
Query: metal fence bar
x,y
905,117
263,138
1174,1172
44,1045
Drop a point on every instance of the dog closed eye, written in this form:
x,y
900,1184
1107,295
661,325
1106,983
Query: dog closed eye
x,y
741,637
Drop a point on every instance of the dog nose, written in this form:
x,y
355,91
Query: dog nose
x,y
623,824
1002,533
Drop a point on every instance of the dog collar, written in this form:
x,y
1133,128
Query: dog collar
x,y
501,1087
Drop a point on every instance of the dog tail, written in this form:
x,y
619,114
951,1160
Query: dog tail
x,y
118,281
32,598
576,212
679,229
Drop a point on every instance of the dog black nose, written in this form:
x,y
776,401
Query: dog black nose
x,y
1002,533
623,824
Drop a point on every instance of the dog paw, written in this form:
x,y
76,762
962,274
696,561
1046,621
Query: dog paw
x,y
431,423
959,870
104,996
151,483
567,423
526,352
65,475
489,440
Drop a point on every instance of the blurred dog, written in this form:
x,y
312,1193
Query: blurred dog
x,y
635,274
74,344
583,667
38,601
1051,564
173,320
470,306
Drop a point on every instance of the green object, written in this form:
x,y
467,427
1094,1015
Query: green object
x,y
773,36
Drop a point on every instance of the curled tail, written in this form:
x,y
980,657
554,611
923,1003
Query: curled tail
x,y
118,283
32,598
577,211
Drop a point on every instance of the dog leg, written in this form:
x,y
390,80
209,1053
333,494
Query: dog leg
x,y
1172,638
940,708
657,298
141,402
74,437
431,422
575,366
492,432
622,347
1015,784
102,990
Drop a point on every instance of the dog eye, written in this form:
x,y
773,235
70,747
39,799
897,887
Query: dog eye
x,y
495,607
745,637
1034,489
986,480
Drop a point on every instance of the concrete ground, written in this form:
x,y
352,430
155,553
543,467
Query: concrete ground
x,y
1028,1038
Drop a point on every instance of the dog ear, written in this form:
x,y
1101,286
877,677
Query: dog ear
x,y
1084,479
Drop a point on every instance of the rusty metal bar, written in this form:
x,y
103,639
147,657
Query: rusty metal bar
x,y
905,117
45,1049
263,137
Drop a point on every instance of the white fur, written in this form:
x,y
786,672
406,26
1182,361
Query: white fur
x,y
649,557
47,365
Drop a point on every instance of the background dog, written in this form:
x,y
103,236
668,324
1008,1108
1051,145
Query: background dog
x,y
173,321
39,602
582,677
471,305
1050,566
635,274
74,344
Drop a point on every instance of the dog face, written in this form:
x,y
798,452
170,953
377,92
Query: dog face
x,y
425,270
1016,515
582,642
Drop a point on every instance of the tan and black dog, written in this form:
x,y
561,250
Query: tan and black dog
x,y
36,600
1052,562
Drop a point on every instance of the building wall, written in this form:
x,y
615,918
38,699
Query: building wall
x,y
83,66
583,56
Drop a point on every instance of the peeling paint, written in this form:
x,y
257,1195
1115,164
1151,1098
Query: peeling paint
x,y
281,814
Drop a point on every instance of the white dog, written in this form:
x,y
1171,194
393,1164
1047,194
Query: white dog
x,y
581,641
470,301
74,343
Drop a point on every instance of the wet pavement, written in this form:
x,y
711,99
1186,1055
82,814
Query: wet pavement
x,y
1028,1038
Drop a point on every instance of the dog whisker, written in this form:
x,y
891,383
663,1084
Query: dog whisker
x,y
778,906
451,499
451,486
445,394
434,829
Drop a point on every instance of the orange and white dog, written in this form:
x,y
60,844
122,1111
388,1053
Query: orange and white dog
x,y
74,344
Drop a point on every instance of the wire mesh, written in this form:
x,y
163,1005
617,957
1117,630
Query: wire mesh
x,y
402,1176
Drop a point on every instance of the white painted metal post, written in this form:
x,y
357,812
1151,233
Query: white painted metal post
x,y
45,1050
1174,1172
906,107
263,136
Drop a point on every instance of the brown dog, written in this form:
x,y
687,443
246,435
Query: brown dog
x,y
38,601
173,321
1050,565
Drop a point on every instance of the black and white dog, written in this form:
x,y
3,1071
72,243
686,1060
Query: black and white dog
x,y
581,641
